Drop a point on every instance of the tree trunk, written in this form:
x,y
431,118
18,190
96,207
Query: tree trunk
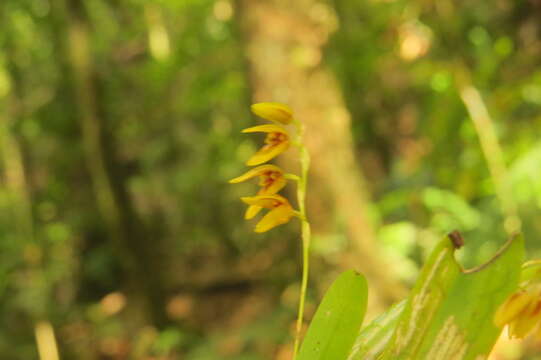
x,y
137,253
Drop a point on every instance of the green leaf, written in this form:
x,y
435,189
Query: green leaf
x,y
373,338
338,319
449,314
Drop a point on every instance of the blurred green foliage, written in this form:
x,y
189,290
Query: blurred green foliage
x,y
399,63
165,84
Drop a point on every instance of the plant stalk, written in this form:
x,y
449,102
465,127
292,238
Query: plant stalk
x,y
305,229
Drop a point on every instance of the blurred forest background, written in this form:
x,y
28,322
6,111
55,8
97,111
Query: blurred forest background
x,y
120,121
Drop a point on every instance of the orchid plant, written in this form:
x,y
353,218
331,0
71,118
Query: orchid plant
x,y
451,312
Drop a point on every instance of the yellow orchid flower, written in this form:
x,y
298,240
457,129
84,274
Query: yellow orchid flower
x,y
276,142
522,312
273,111
271,180
280,210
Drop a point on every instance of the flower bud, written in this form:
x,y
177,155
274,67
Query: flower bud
x,y
273,111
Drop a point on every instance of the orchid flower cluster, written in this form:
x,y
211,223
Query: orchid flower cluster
x,y
272,179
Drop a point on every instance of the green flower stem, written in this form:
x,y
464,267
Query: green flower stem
x,y
305,228
292,177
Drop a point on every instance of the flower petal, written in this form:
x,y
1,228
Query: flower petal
x,y
277,185
538,333
267,153
267,128
278,216
266,201
252,211
255,172
512,307
273,111
526,321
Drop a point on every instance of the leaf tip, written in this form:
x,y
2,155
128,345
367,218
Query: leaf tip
x,y
456,238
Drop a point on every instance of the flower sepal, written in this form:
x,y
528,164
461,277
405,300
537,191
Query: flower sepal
x,y
273,111
276,142
280,212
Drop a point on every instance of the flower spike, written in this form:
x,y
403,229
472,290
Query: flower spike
x,y
273,111
276,142
273,179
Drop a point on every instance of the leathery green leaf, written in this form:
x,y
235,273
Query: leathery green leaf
x,y
338,319
449,314
374,337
